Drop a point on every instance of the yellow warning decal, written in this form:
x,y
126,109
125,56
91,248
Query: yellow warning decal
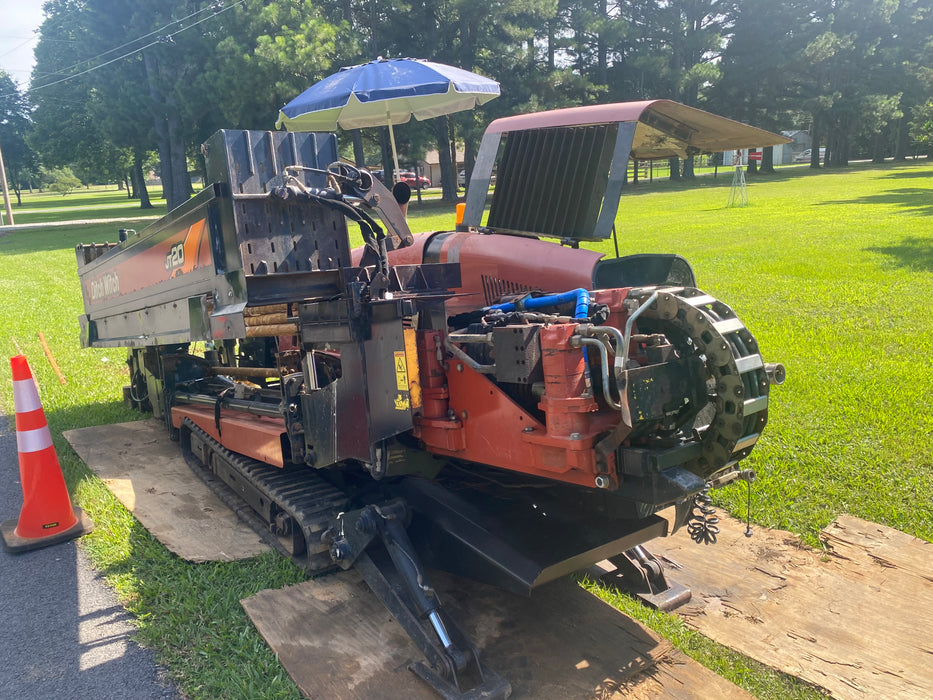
x,y
401,403
401,371
411,357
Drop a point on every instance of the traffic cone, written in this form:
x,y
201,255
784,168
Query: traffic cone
x,y
47,516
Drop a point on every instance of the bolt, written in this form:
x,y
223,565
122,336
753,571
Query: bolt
x,y
528,429
340,550
602,481
459,367
575,436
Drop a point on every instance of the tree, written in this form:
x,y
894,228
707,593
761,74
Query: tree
x,y
495,39
187,69
675,47
762,71
921,127
118,79
19,160
906,59
67,129
62,181
269,52
849,62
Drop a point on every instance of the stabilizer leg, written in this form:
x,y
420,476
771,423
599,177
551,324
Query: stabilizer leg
x,y
396,576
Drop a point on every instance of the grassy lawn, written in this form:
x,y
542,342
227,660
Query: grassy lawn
x,y
85,203
830,270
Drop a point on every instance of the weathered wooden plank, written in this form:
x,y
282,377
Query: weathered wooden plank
x,y
336,641
862,542
147,473
854,620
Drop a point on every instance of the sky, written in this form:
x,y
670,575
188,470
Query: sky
x,y
19,20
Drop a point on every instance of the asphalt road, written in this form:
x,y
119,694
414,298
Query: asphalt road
x,y
63,635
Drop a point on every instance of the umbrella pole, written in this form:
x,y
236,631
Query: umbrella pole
x,y
395,177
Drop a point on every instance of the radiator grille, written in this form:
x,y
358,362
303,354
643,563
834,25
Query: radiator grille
x,y
552,181
495,288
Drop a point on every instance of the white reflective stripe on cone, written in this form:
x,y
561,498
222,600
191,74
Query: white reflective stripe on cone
x,y
33,440
25,396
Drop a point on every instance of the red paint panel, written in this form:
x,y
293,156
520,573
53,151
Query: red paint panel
x,y
180,253
572,116
527,263
258,437
493,430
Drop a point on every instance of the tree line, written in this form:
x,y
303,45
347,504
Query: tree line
x,y
122,86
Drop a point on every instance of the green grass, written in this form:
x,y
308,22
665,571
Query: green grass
x,y
830,271
85,203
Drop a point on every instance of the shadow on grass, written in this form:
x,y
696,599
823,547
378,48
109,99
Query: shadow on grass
x,y
912,253
914,200
909,174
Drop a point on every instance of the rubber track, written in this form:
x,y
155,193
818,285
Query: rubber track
x,y
301,493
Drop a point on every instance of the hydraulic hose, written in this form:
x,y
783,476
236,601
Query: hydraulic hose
x,y
580,296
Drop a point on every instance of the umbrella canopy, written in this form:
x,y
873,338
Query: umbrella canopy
x,y
385,92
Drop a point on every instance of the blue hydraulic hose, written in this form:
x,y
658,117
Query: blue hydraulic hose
x,y
581,311
580,296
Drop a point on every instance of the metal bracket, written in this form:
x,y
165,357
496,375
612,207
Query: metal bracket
x,y
640,574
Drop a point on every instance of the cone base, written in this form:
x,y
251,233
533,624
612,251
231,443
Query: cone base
x,y
14,543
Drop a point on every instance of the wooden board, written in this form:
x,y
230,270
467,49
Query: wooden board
x,y
856,620
147,473
337,642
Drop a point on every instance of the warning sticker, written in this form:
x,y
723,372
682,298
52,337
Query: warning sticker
x,y
401,371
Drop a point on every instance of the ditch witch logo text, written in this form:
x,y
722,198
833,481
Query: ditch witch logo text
x,y
106,286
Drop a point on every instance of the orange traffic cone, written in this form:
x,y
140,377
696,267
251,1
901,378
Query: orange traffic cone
x,y
47,516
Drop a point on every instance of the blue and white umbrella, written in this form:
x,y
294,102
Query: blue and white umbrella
x,y
386,92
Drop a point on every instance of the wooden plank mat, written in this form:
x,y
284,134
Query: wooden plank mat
x,y
337,642
855,620
147,473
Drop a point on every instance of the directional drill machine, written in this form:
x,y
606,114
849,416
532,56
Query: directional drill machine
x,y
482,401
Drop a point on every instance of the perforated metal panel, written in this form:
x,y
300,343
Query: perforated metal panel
x,y
250,160
275,236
